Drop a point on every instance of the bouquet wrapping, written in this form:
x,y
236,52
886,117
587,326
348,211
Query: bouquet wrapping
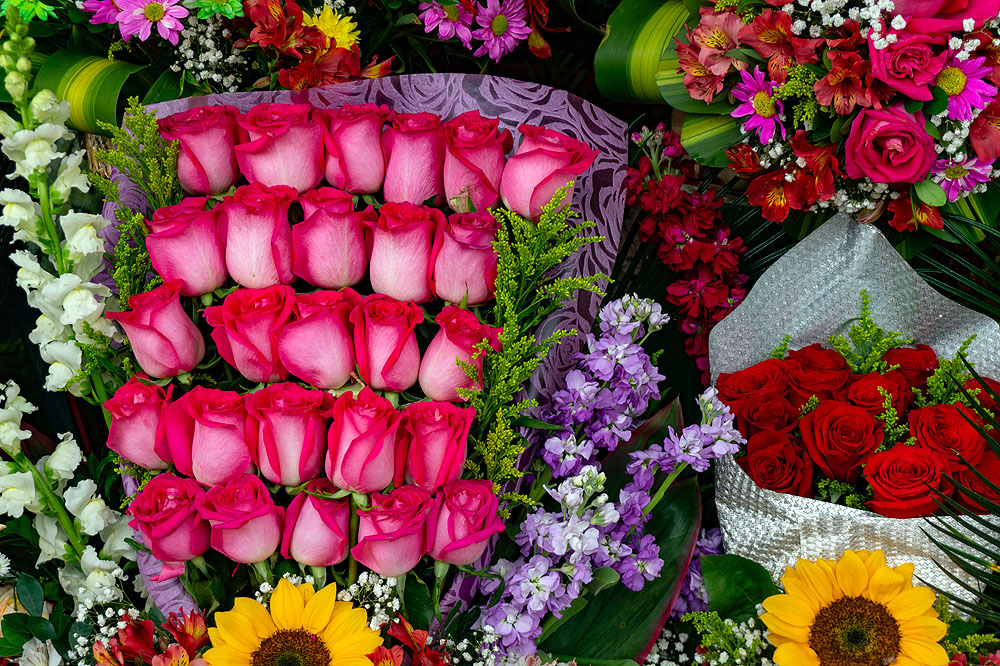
x,y
810,294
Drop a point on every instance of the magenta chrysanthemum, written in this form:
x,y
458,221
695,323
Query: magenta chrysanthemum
x,y
451,21
105,11
755,90
137,17
504,26
958,178
962,81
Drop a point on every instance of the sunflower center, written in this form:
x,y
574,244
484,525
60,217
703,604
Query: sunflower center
x,y
499,25
854,631
764,105
451,12
955,172
291,647
154,11
951,80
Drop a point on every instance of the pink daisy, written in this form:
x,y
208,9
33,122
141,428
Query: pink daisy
x,y
504,25
962,81
451,21
105,11
755,91
137,17
957,178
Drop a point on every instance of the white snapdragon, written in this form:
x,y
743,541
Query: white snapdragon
x,y
70,177
4,566
47,108
89,509
22,213
8,126
84,245
62,463
113,536
65,360
17,492
95,582
30,274
12,409
30,150
52,539
37,653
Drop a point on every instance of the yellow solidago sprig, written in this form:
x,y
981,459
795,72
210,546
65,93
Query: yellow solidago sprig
x,y
867,342
340,29
799,86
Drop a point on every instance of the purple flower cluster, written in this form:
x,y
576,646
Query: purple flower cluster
x,y
502,24
693,596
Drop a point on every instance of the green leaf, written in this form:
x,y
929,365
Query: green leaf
x,y
735,585
707,137
620,623
168,85
958,629
931,193
16,628
528,422
417,601
29,594
912,105
938,104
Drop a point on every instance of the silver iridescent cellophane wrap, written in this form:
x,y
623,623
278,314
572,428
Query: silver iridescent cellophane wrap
x,y
809,294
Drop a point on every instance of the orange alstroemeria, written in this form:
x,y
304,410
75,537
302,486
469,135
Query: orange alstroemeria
x,y
770,34
843,88
907,217
821,162
778,192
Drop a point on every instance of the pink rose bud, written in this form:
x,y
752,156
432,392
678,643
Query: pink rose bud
x,y
363,439
316,528
207,136
460,332
165,340
545,161
165,512
328,247
258,235
466,264
185,244
245,329
385,342
415,147
392,534
467,517
246,525
205,435
437,433
403,250
353,140
318,347
286,432
475,150
136,413
285,146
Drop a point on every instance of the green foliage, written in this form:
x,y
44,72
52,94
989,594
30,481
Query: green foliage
x,y
735,585
894,430
799,86
832,491
943,385
727,642
782,349
132,264
809,405
866,342
140,474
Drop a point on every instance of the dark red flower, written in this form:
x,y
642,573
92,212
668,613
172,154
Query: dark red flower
x,y
136,639
743,159
821,161
189,630
907,217
663,195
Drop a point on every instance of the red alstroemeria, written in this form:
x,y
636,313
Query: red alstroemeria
x,y
770,34
383,656
743,159
331,66
698,80
989,51
984,134
715,36
843,88
538,20
188,629
777,192
821,161
845,38
279,25
108,654
137,639
907,217
416,640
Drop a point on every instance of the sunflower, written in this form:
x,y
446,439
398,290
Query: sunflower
x,y
854,612
302,628
341,30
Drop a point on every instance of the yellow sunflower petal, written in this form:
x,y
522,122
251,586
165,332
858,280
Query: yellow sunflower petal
x,y
923,628
852,575
319,610
820,581
308,591
286,606
910,603
795,654
885,584
874,560
237,631
798,588
791,609
215,636
778,626
224,655
906,571
924,653
257,614
345,620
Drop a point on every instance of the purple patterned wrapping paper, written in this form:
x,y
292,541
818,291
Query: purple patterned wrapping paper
x,y
599,193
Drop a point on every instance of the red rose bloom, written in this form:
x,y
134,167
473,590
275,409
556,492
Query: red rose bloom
x,y
916,364
814,370
839,438
776,462
766,412
945,429
989,466
764,378
985,399
863,391
900,478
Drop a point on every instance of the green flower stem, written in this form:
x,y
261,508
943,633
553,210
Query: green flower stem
x,y
50,226
440,574
100,392
54,504
352,564
263,571
663,489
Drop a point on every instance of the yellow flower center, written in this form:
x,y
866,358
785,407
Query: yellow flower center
x,y
951,80
291,647
955,172
154,11
854,631
717,39
764,105
499,25
451,12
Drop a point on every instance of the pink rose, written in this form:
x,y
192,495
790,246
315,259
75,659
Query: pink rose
x,y
204,435
286,432
437,434
364,440
889,145
245,329
258,235
385,342
318,347
467,517
136,411
316,528
415,146
935,16
403,251
329,246
185,244
165,512
909,65
475,151
165,340
246,525
440,374
285,147
466,264
545,161
392,534
354,157
207,136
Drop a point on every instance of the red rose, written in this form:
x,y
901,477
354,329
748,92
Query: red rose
x,y
900,478
944,428
766,412
839,438
775,462
814,370
985,400
989,466
768,378
863,391
916,364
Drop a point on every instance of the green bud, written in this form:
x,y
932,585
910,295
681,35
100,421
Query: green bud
x,y
7,62
9,48
8,126
16,85
23,65
29,43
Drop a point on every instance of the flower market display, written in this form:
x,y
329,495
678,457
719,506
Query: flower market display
x,y
391,333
